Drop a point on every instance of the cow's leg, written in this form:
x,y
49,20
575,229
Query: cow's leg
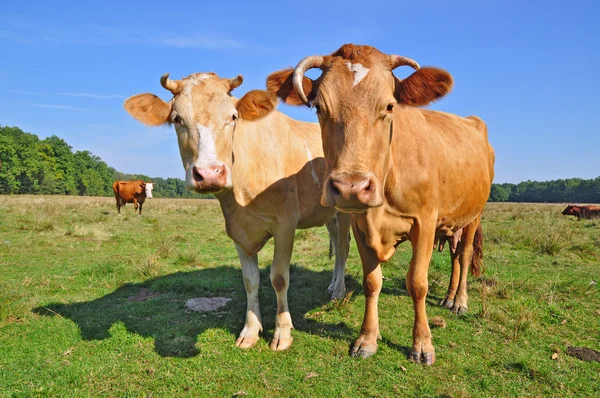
x,y
465,256
280,279
448,301
119,206
249,335
141,204
135,205
366,343
339,232
421,237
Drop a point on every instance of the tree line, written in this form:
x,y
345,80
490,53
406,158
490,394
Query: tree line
x,y
571,190
49,166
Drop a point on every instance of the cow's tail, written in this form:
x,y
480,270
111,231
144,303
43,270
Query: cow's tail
x,y
477,267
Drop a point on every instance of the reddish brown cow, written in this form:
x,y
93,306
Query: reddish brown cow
x,y
134,192
404,173
589,212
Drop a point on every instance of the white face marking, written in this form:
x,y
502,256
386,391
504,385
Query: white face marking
x,y
310,159
207,153
207,156
359,72
149,187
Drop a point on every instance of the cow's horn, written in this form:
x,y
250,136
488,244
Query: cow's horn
x,y
235,82
174,86
314,61
398,60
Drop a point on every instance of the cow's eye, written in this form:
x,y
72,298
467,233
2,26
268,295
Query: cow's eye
x,y
390,107
175,118
234,117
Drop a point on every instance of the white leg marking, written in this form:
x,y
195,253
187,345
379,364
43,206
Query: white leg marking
x,y
249,335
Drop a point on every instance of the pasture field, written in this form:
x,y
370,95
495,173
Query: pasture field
x,y
94,304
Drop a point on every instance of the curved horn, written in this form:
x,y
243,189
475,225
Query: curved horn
x,y
398,60
313,61
174,86
235,82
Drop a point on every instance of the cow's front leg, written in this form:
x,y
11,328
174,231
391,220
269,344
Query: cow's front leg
x,y
141,204
135,205
422,237
253,326
280,279
366,343
339,230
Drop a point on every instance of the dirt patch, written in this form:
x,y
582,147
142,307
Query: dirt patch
x,y
143,295
206,304
585,354
437,322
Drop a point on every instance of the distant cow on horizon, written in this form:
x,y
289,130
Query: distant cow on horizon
x,y
132,192
589,212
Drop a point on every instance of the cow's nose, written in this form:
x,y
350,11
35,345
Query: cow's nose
x,y
348,189
213,177
351,192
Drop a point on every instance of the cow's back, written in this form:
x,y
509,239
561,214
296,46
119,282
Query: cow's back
x,y
443,162
278,170
126,190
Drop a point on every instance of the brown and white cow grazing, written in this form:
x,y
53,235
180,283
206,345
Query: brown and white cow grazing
x,y
589,212
404,173
265,169
135,192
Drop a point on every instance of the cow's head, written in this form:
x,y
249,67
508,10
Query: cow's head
x,y
148,189
205,115
356,98
571,210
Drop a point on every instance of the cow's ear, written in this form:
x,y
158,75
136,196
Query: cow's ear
x,y
423,87
256,104
280,84
148,109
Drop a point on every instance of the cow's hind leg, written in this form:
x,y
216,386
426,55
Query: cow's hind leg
x,y
253,326
422,237
465,256
366,343
339,234
448,301
280,279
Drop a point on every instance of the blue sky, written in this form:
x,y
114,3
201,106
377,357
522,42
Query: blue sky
x,y
527,68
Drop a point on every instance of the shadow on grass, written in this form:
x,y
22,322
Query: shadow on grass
x,y
156,308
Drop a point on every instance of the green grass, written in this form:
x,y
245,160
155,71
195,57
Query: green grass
x,y
94,304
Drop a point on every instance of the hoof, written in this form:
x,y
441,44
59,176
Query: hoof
x,y
426,358
248,337
339,294
447,303
246,342
282,340
280,344
459,309
362,350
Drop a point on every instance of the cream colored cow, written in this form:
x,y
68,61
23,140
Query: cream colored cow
x,y
265,169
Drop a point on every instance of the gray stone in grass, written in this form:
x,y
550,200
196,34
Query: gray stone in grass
x,y
206,304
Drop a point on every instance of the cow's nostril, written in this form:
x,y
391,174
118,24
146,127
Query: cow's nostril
x,y
334,189
197,176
